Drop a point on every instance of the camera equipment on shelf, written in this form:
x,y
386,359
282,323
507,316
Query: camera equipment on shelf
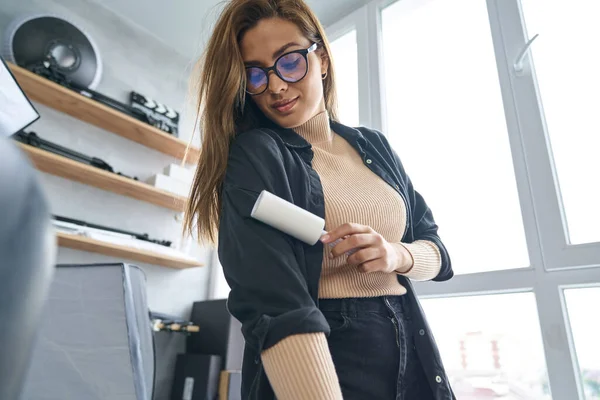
x,y
163,322
118,237
138,236
58,50
161,116
48,70
34,38
32,139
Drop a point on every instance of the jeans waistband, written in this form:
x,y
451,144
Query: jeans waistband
x,y
355,306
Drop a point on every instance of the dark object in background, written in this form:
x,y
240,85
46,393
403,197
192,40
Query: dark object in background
x,y
196,377
34,39
27,251
159,115
220,333
48,70
166,348
32,139
139,236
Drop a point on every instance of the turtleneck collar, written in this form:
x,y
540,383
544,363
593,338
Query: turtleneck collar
x,y
316,130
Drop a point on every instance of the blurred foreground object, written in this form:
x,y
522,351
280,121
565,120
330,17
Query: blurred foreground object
x,y
27,251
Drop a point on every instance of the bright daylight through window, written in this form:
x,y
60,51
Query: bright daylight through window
x,y
567,66
445,118
585,336
492,348
346,62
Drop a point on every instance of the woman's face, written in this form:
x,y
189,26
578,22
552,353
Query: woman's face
x,y
286,104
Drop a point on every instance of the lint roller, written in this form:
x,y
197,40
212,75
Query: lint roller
x,y
289,218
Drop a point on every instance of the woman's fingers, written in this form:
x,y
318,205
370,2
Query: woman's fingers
x,y
372,266
355,241
346,229
364,255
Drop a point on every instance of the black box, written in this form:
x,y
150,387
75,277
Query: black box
x,y
196,377
220,334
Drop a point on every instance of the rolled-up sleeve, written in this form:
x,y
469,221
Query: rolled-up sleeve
x,y
269,293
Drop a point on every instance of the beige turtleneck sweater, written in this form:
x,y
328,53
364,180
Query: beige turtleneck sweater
x,y
300,366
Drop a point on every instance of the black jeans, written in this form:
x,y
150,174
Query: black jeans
x,y
373,350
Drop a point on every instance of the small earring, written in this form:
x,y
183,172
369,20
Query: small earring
x,y
323,76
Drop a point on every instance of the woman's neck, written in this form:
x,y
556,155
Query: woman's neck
x,y
316,130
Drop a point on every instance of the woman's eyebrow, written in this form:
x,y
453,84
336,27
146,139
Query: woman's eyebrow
x,y
283,48
276,54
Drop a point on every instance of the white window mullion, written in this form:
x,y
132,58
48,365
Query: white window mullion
x,y
532,133
481,283
365,21
563,373
363,42
500,22
373,76
506,281
352,22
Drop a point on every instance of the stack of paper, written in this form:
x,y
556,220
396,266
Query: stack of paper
x,y
175,179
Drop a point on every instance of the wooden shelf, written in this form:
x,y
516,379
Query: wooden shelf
x,y
69,102
113,250
75,171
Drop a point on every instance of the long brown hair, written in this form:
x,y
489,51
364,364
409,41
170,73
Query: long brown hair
x,y
222,107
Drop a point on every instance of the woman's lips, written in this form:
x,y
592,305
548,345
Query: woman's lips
x,y
287,106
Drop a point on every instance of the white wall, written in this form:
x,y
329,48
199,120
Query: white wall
x,y
185,25
133,60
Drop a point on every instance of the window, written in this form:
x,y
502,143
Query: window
x,y
445,118
566,66
501,155
346,69
221,287
491,346
585,327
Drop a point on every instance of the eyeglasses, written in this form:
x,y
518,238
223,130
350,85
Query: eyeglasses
x,y
290,67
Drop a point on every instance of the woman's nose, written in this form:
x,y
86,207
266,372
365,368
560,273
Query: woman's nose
x,y
276,84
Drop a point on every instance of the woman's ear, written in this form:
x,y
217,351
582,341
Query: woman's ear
x,y
324,57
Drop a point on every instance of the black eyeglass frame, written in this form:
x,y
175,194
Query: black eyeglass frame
x,y
303,52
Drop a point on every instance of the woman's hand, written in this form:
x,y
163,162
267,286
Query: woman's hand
x,y
372,252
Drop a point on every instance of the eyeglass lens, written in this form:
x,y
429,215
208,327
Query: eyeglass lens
x,y
290,67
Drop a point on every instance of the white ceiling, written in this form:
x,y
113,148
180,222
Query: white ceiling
x,y
185,24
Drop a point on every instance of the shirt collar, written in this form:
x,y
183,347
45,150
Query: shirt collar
x,y
294,140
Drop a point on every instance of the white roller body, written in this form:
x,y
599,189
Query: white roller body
x,y
287,217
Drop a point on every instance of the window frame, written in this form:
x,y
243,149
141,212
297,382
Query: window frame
x,y
339,30
369,74
555,264
528,115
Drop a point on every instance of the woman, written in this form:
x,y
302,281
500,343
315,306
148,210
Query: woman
x,y
320,322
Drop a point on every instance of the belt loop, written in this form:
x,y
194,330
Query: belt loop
x,y
343,306
352,306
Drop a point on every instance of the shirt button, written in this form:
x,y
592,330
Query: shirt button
x,y
438,379
422,332
397,187
369,161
